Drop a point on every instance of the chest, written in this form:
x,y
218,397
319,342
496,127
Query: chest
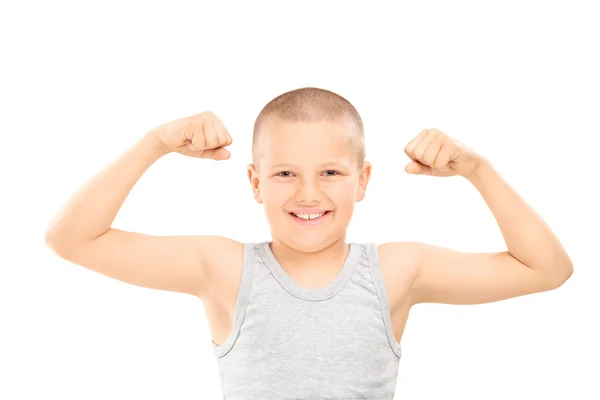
x,y
220,310
333,348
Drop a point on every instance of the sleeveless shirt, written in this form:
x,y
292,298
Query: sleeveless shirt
x,y
290,342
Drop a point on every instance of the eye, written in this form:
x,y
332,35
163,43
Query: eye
x,y
284,174
334,173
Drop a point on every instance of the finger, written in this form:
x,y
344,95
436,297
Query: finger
x,y
212,136
442,159
219,153
455,153
225,132
228,136
219,128
433,150
192,153
195,136
410,147
224,137
424,144
416,168
445,156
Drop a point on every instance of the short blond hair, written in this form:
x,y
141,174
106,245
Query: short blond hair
x,y
310,104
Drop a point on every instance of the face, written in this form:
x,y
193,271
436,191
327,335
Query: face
x,y
303,170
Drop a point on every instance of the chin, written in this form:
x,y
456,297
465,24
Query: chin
x,y
310,242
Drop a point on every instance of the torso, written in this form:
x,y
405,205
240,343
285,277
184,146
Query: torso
x,y
220,305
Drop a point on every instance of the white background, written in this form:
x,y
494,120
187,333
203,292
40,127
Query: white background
x,y
516,81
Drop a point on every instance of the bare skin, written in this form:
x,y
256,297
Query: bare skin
x,y
209,267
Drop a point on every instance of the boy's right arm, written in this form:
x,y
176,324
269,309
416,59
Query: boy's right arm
x,y
174,263
81,232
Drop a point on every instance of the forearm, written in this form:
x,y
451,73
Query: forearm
x,y
528,238
92,209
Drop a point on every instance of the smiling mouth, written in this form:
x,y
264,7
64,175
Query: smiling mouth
x,y
309,217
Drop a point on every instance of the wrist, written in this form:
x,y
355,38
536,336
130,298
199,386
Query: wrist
x,y
482,170
157,147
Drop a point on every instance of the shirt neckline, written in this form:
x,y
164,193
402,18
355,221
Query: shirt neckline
x,y
305,293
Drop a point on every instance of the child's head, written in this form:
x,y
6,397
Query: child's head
x,y
308,153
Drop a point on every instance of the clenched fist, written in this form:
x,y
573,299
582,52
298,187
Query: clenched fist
x,y
202,135
435,153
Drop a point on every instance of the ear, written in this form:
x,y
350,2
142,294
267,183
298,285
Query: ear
x,y
254,182
363,180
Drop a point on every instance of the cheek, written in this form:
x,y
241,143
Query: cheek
x,y
342,192
276,193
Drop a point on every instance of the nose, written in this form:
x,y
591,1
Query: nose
x,y
308,192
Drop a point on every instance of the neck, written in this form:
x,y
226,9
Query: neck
x,y
323,256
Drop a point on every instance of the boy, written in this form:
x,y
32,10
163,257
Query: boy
x,y
307,315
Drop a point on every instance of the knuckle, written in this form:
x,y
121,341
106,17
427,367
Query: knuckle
x,y
206,127
209,143
429,158
185,132
418,154
199,139
451,149
440,163
206,116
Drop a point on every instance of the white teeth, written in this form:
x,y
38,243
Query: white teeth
x,y
308,216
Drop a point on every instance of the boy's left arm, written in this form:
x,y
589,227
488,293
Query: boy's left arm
x,y
535,260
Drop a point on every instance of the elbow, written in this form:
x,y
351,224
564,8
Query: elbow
x,y
566,271
559,269
64,245
56,243
566,268
51,241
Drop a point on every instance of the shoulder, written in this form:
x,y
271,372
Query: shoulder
x,y
399,262
400,254
222,258
215,249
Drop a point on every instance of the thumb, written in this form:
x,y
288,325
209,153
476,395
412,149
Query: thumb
x,y
416,168
220,153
